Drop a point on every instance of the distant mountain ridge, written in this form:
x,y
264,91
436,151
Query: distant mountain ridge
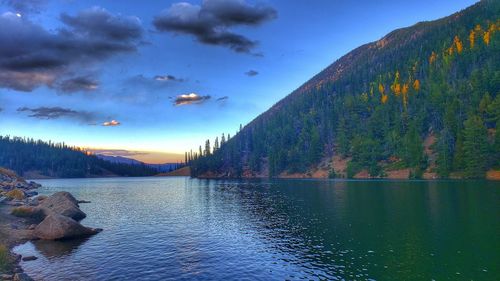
x,y
423,101
161,168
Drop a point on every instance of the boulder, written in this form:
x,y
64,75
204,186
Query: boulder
x,y
16,194
29,258
27,212
22,277
62,203
56,227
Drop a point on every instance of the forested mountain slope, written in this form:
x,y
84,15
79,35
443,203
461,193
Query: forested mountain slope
x,y
423,99
37,158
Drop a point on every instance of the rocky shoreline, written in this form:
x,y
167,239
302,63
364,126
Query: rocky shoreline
x,y
25,216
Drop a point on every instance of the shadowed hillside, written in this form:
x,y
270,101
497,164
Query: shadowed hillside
x,y
421,102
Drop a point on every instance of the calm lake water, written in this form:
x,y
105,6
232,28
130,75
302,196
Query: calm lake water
x,y
190,229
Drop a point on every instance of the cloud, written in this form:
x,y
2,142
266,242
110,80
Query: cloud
x,y
252,73
26,6
48,113
210,22
99,23
164,78
78,84
116,152
111,123
222,98
190,99
32,56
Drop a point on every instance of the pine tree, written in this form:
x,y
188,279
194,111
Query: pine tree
x,y
342,140
475,147
496,147
445,148
207,148
216,144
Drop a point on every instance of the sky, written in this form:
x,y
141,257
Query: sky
x,y
152,79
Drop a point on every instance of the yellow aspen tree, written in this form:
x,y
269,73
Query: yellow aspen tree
x,y
458,44
371,90
472,39
450,50
416,85
492,28
486,38
384,98
478,28
405,89
381,88
396,88
432,58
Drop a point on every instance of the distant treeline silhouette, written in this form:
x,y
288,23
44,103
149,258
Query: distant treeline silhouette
x,y
60,160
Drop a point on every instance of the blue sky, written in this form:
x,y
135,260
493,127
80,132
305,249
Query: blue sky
x,y
119,74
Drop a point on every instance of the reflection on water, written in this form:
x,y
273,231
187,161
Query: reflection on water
x,y
58,249
184,229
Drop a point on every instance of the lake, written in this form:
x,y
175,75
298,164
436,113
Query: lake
x,y
191,229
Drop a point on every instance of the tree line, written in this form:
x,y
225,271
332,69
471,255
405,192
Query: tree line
x,y
60,160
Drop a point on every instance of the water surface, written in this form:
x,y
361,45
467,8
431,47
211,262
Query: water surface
x,y
191,229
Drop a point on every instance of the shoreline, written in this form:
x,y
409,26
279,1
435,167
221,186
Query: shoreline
x,y
27,216
14,231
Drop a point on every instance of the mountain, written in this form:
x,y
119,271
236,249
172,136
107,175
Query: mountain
x,y
423,101
32,158
119,159
166,167
161,168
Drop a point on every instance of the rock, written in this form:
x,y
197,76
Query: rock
x,y
31,193
16,194
22,277
83,202
29,258
37,200
2,199
55,227
27,212
6,277
14,203
62,203
31,227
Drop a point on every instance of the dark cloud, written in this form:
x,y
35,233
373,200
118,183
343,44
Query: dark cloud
x,y
252,73
165,78
78,84
26,6
99,23
31,56
190,99
222,98
57,113
210,22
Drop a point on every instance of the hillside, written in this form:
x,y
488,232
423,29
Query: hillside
x,y
421,102
37,159
181,172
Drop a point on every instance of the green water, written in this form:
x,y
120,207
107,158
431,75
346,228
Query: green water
x,y
190,229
